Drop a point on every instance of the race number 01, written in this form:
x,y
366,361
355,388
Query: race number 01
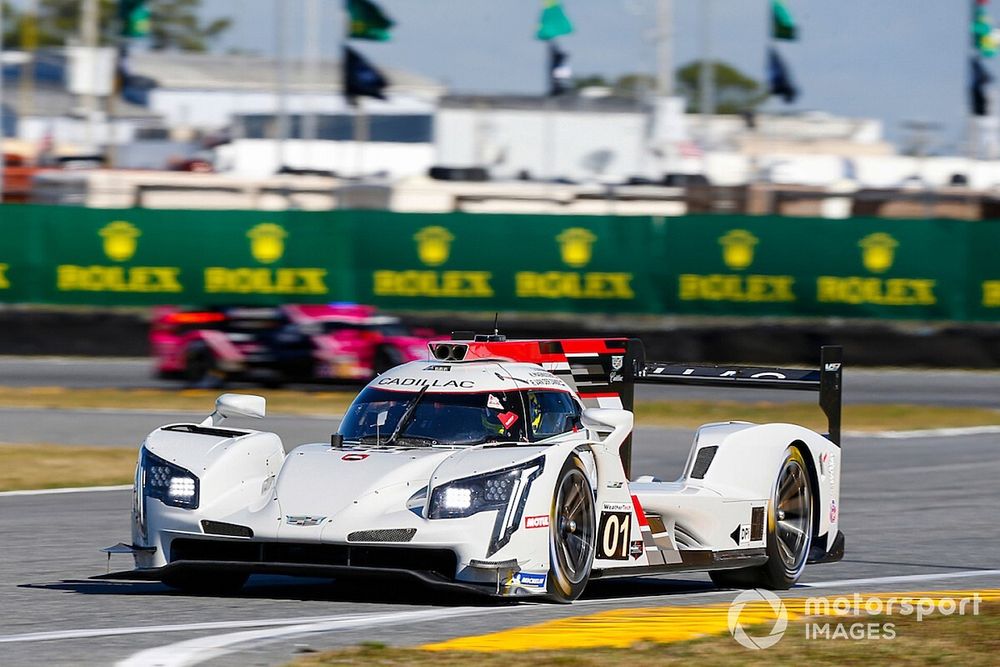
x,y
614,533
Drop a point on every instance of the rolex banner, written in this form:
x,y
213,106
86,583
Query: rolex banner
x,y
694,265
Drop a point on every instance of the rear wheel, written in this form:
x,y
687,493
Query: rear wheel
x,y
572,533
207,583
789,532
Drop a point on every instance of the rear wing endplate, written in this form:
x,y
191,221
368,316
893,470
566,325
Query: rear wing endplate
x,y
827,380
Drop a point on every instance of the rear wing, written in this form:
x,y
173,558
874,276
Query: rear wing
x,y
827,380
604,371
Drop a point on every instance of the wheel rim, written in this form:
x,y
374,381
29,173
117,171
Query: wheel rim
x,y
793,515
573,531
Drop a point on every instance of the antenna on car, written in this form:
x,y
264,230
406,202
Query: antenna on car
x,y
495,337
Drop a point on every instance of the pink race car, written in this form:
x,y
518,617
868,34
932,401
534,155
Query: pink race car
x,y
291,343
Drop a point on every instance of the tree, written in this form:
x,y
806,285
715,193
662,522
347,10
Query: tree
x,y
735,92
635,86
175,24
590,81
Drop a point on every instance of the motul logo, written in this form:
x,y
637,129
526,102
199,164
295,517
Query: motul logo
x,y
536,521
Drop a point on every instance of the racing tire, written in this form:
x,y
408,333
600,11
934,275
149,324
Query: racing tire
x,y
386,357
207,583
789,531
200,369
572,533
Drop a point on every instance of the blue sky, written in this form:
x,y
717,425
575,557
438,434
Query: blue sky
x,y
891,59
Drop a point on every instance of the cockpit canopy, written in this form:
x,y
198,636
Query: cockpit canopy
x,y
426,418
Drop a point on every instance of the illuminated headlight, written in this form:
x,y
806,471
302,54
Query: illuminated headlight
x,y
167,482
491,491
457,499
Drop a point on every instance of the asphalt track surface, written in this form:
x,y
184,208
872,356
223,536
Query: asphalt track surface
x,y
918,514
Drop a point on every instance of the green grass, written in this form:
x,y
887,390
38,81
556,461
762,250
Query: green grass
x,y
55,466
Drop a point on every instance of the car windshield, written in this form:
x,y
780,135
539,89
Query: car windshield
x,y
433,418
383,417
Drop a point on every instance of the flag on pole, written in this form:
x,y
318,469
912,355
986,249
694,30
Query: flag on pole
x,y
779,79
553,22
134,18
984,40
361,78
782,24
560,72
368,21
977,87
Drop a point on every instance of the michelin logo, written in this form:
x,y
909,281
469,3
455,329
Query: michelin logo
x,y
530,580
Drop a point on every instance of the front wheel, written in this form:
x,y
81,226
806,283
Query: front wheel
x,y
200,368
386,357
789,532
572,533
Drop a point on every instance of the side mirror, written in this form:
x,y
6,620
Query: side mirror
x,y
607,419
233,405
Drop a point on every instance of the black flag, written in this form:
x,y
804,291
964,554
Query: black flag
x,y
980,79
779,79
361,79
560,73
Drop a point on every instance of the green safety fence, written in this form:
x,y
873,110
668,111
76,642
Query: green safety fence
x,y
696,265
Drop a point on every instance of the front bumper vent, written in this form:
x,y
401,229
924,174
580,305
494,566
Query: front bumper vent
x,y
382,535
226,529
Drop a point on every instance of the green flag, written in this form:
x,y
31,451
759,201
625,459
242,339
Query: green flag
x,y
368,21
983,39
134,16
553,22
782,24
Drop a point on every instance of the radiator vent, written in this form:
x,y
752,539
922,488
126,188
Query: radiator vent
x,y
227,529
702,461
204,430
383,535
684,539
756,524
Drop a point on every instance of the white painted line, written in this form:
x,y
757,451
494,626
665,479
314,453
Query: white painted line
x,y
88,633
834,583
159,411
81,489
927,433
901,579
196,651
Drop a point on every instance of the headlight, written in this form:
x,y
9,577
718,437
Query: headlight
x,y
168,483
503,490
465,497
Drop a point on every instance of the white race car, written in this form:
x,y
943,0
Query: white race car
x,y
497,466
